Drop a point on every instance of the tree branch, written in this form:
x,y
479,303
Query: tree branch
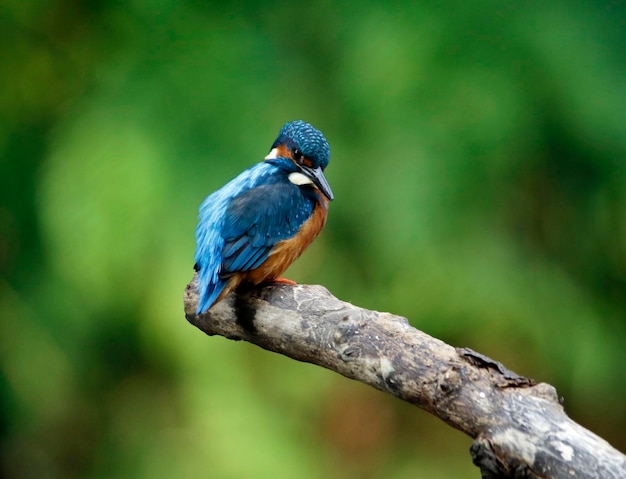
x,y
519,427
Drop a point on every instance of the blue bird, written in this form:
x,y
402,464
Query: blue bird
x,y
255,226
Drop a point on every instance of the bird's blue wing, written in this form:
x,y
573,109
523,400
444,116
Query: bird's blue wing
x,y
239,225
258,219
209,239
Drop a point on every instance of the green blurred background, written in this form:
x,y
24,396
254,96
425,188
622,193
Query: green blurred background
x,y
478,163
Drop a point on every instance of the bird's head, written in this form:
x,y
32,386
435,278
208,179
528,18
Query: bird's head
x,y
304,152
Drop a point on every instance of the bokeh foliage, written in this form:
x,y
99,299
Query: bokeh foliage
x,y
478,163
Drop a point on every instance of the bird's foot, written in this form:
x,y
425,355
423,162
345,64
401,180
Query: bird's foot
x,y
284,281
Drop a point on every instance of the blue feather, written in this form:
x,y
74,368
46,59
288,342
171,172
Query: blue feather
x,y
241,223
209,239
261,217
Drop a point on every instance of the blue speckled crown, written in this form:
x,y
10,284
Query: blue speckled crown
x,y
309,140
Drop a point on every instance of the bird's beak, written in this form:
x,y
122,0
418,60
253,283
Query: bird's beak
x,y
317,177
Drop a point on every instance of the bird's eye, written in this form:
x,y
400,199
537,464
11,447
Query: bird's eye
x,y
297,154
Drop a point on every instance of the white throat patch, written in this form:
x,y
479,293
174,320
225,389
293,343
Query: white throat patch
x,y
272,154
300,179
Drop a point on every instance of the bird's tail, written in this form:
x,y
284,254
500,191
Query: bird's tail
x,y
209,290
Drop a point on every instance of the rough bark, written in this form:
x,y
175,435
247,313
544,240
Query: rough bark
x,y
519,427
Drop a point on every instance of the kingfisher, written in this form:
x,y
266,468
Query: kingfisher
x,y
255,226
